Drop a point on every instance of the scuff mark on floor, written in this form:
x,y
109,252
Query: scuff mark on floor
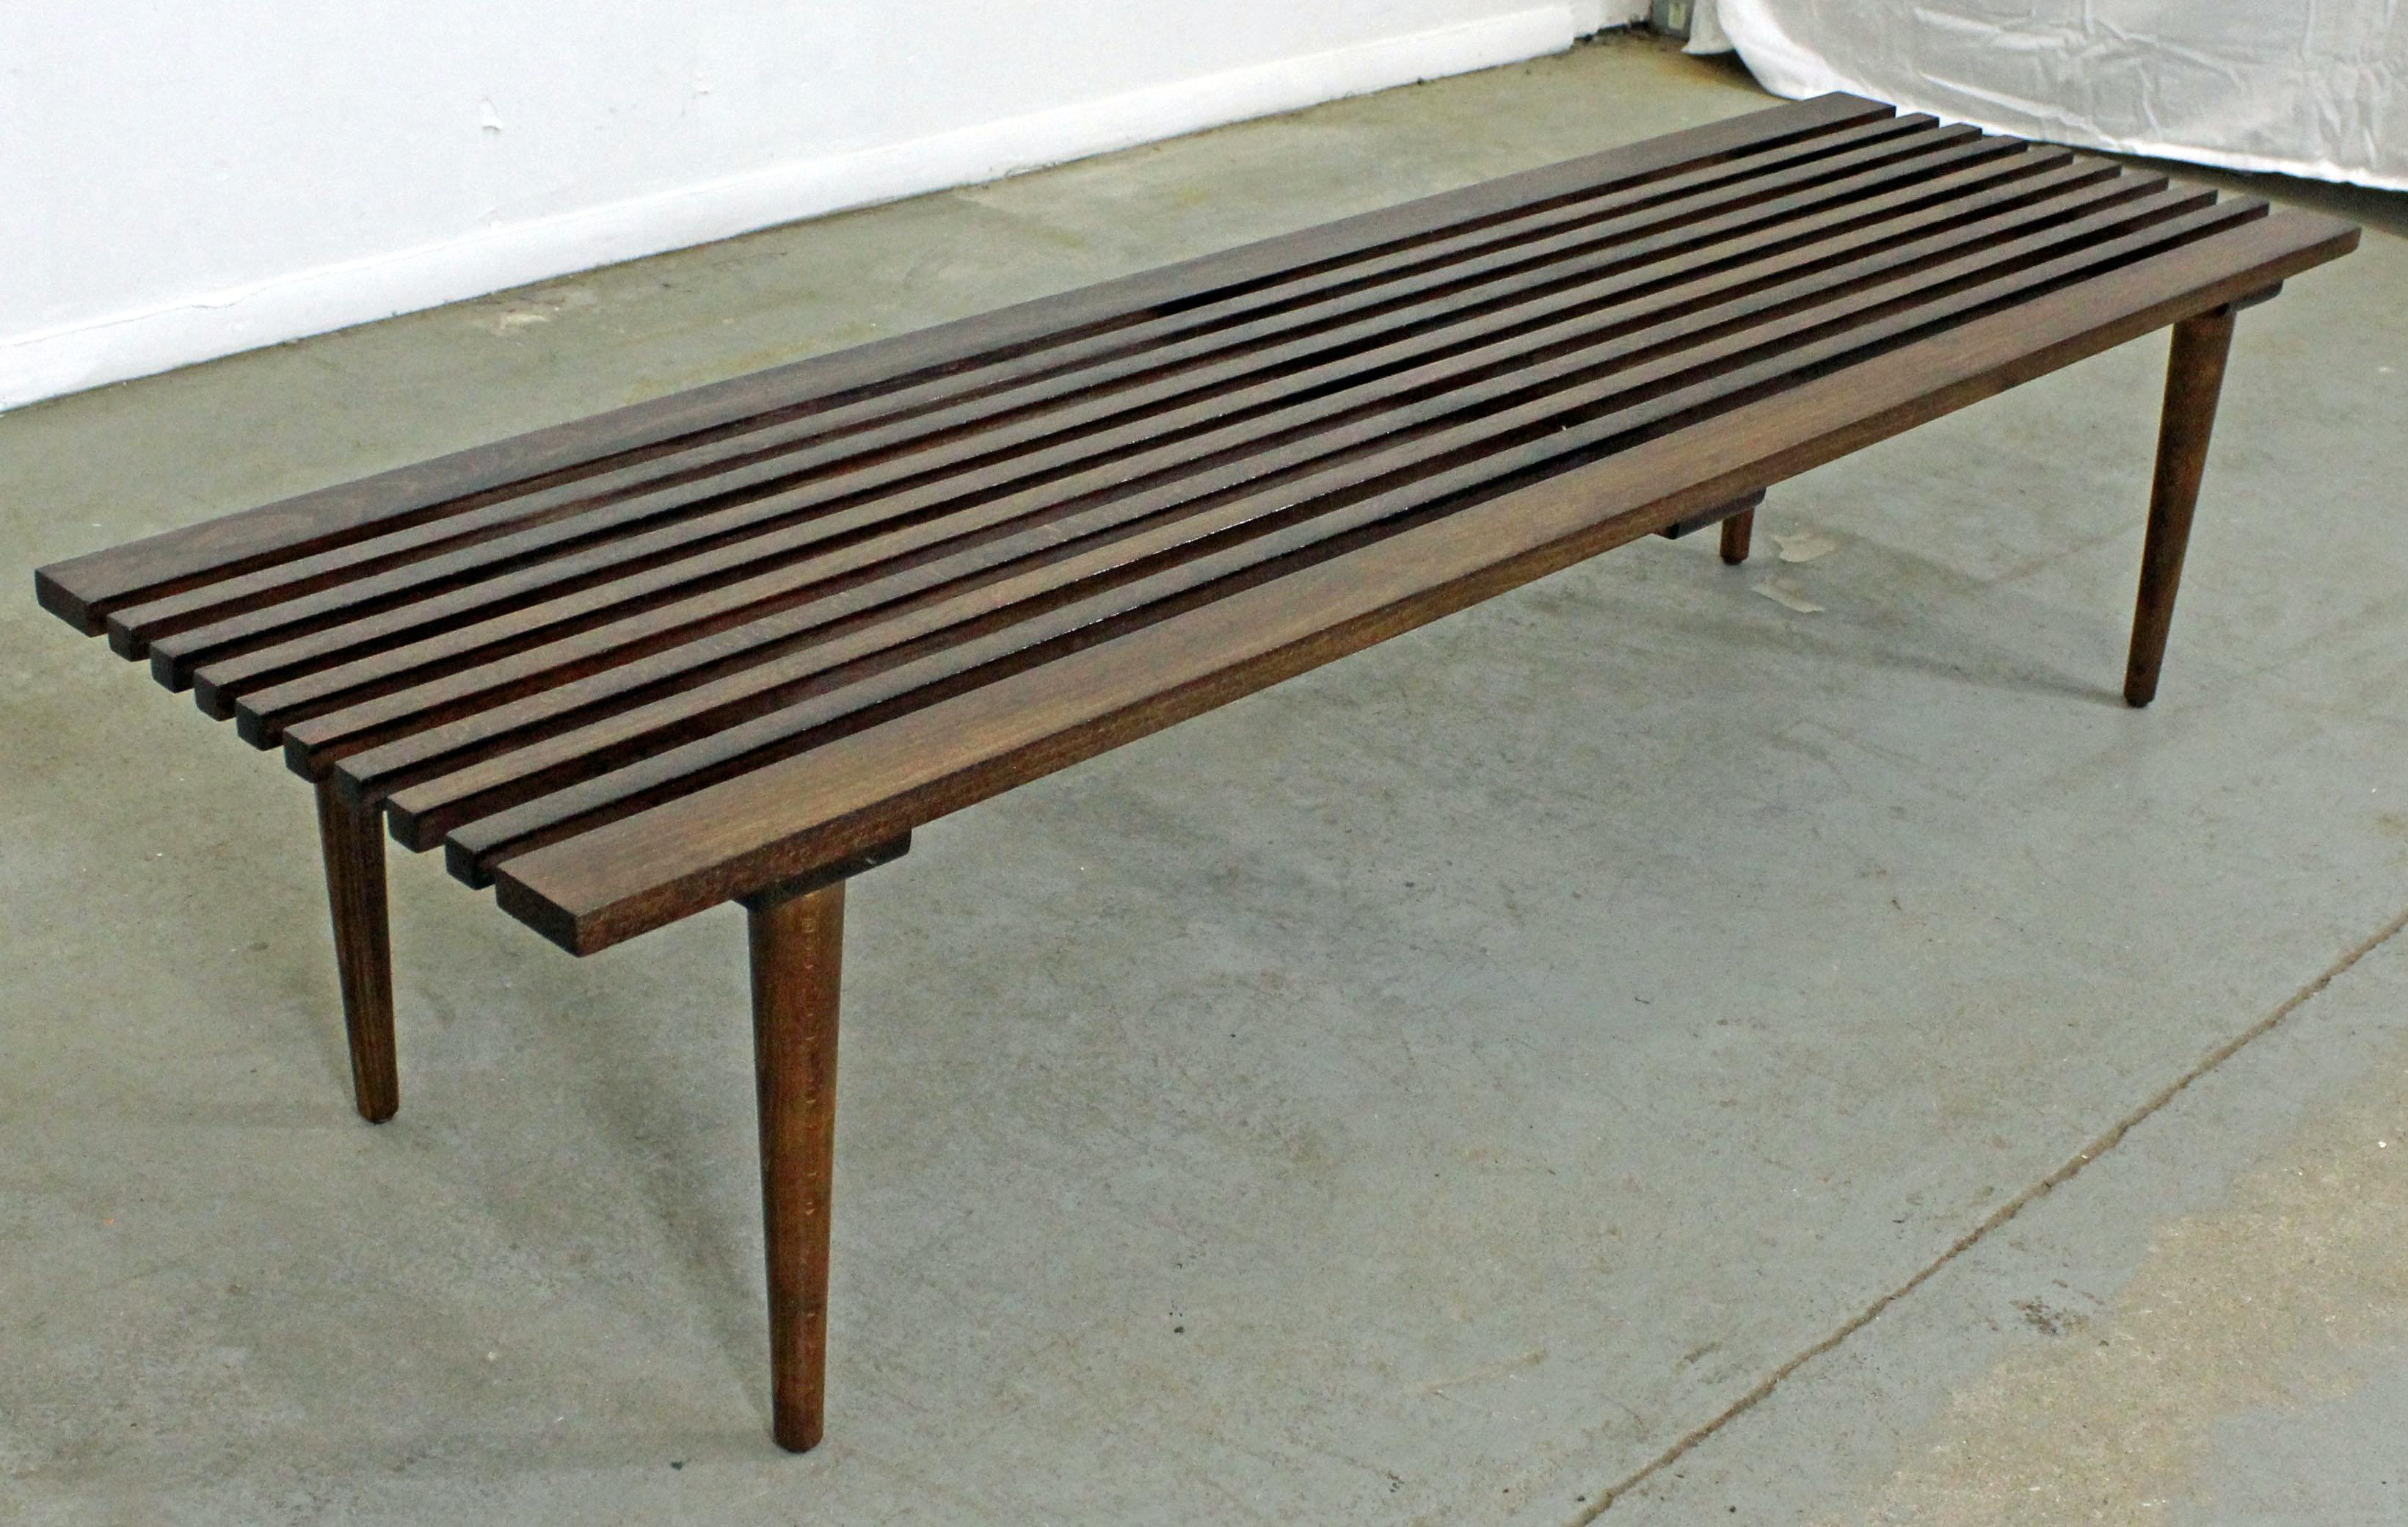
x,y
1786,593
1498,1369
1805,546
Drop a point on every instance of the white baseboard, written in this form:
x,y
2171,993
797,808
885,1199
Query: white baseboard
x,y
313,301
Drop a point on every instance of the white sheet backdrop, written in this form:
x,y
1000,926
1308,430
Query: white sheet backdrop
x,y
2310,87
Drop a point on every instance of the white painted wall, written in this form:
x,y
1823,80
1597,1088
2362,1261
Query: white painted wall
x,y
185,180
1596,15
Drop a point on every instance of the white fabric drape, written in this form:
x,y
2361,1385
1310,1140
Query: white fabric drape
x,y
2308,87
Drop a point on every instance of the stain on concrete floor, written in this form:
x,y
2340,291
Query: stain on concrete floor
x,y
2277,1301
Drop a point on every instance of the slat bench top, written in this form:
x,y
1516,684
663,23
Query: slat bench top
x,y
737,644
638,665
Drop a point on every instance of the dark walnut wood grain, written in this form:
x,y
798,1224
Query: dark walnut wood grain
x,y
2194,380
619,877
737,644
83,589
1737,531
353,847
1722,515
797,946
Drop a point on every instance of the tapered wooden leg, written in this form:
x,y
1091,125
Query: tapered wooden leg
x,y
798,944
352,842
2194,377
1736,533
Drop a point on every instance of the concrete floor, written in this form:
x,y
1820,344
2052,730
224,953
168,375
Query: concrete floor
x,y
1637,1046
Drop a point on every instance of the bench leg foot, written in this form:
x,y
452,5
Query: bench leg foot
x,y
2194,377
352,841
1737,531
797,944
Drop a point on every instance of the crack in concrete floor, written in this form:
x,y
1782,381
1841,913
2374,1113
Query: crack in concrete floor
x,y
2179,1339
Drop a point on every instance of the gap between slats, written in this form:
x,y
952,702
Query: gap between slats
x,y
455,520
737,529
176,651
1880,323
1750,294
508,654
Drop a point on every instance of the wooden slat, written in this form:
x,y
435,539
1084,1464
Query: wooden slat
x,y
82,590
958,400
502,786
1556,427
513,664
647,524
770,823
725,543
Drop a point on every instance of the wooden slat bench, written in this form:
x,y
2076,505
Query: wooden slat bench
x,y
737,644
